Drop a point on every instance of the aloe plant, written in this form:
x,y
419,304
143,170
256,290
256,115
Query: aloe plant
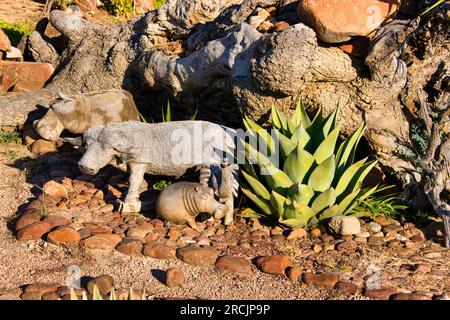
x,y
96,295
316,178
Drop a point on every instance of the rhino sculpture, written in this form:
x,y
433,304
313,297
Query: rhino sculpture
x,y
167,149
88,110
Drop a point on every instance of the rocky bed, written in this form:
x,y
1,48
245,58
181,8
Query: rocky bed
x,y
71,221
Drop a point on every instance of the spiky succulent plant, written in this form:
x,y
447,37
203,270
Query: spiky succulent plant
x,y
96,295
315,180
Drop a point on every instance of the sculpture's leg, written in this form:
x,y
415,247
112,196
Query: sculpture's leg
x,y
191,222
229,202
205,174
132,203
446,220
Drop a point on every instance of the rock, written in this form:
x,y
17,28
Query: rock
x,y
198,256
325,280
24,76
234,264
150,237
360,239
317,248
380,294
275,264
281,26
261,16
174,234
363,234
315,233
14,54
423,268
40,287
56,221
125,294
104,283
130,246
340,20
143,6
374,227
348,247
265,26
5,44
344,225
84,233
410,296
346,287
140,231
86,5
382,221
10,294
33,231
27,219
293,273
50,296
159,250
102,241
63,235
41,147
175,277
31,296
375,241
358,47
297,234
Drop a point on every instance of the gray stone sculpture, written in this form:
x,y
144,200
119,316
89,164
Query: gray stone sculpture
x,y
86,111
167,149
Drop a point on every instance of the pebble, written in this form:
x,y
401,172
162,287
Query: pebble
x,y
315,233
234,264
33,231
325,280
175,277
374,227
293,273
276,231
382,221
375,241
102,241
363,234
31,296
275,264
63,236
297,234
174,234
346,287
56,221
84,233
27,219
41,147
140,231
158,250
348,247
345,225
317,248
130,246
360,239
410,296
150,237
198,256
104,283
380,294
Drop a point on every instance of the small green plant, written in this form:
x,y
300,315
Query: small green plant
x,y
158,3
59,3
119,7
418,150
161,185
315,179
97,296
16,30
10,137
166,115
388,206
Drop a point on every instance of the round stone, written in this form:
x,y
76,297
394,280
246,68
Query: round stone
x,y
63,235
175,277
234,264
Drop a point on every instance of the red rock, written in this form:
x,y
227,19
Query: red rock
x,y
234,264
102,241
55,190
281,25
358,47
50,296
27,219
338,20
380,294
150,237
348,247
56,221
140,231
63,235
40,287
33,231
5,44
95,229
297,233
86,5
175,277
130,246
423,268
293,273
325,280
410,296
41,147
198,256
276,264
104,283
31,296
158,250
143,6
24,76
346,287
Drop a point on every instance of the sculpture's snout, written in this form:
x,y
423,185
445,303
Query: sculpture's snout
x,y
87,170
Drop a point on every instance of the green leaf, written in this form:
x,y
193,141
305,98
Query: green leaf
x,y
300,137
301,193
249,213
73,296
286,144
300,212
257,186
327,147
330,212
112,295
330,124
324,200
322,176
96,293
346,152
348,175
360,175
262,133
258,201
347,201
300,116
298,164
277,201
279,119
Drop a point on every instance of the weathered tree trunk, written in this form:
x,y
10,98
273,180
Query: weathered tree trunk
x,y
224,63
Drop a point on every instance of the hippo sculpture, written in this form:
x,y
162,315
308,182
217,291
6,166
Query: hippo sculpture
x,y
165,149
85,111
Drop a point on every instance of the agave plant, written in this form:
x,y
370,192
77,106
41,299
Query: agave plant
x,y
96,295
316,178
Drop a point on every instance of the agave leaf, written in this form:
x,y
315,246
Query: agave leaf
x,y
257,186
301,193
330,212
84,295
286,144
291,127
259,202
346,152
143,295
300,116
300,137
359,198
293,223
279,119
324,200
347,202
298,164
261,132
347,176
249,213
330,124
322,176
362,172
327,147
112,295
73,296
277,201
96,293
276,178
300,212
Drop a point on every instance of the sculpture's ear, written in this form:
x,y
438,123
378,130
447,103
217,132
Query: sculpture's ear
x,y
76,142
64,97
119,141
